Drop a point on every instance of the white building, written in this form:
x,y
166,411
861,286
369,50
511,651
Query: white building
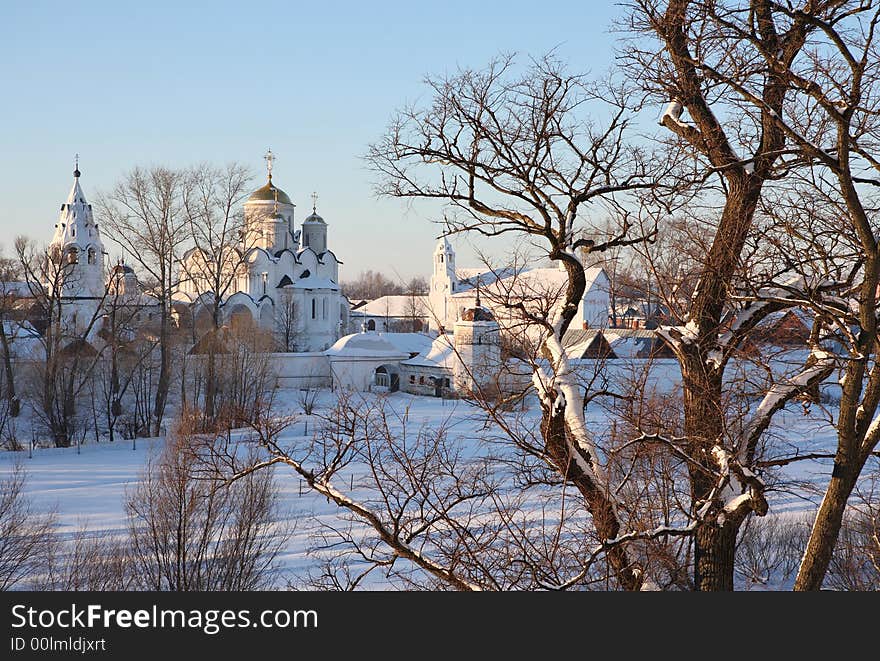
x,y
76,253
454,290
289,282
407,313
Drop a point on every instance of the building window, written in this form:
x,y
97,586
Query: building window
x,y
91,256
421,380
412,378
73,256
446,382
313,308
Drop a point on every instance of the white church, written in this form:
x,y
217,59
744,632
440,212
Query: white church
x,y
288,283
77,252
467,317
453,290
290,276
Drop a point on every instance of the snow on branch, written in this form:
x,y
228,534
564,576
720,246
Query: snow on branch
x,y
749,497
673,112
817,368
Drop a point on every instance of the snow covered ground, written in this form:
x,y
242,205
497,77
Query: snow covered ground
x,y
87,487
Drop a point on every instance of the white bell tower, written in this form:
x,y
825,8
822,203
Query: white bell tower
x,y
77,241
77,252
444,283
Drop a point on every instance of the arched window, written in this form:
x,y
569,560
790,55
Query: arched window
x,y
91,256
73,256
371,324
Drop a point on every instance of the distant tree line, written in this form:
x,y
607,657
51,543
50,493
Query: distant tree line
x,y
370,285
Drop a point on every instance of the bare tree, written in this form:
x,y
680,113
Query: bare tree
x,y
727,66
10,275
128,350
289,321
26,537
221,246
190,531
370,285
514,154
807,78
89,561
143,214
68,360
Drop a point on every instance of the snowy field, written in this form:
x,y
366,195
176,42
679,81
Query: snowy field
x,y
87,487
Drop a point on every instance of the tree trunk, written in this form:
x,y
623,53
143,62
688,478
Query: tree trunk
x,y
714,547
605,521
210,386
714,544
164,371
826,527
14,407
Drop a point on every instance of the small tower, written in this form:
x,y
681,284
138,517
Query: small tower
x,y
444,283
123,285
477,344
314,230
268,216
77,246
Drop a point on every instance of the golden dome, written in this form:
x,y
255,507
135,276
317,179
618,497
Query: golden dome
x,y
267,194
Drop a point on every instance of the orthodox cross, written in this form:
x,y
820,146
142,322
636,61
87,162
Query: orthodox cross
x,y
314,201
269,158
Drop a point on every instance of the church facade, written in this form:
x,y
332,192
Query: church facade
x,y
287,280
454,290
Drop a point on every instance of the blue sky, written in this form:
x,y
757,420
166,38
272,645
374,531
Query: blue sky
x,y
177,83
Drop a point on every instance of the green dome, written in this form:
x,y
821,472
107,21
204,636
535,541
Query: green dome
x,y
267,194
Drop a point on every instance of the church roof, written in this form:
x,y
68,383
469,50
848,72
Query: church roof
x,y
396,305
531,284
440,354
314,218
267,194
75,223
477,313
365,345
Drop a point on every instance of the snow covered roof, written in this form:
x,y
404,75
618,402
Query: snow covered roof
x,y
411,343
532,282
365,345
314,282
439,355
468,277
75,223
314,218
402,305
